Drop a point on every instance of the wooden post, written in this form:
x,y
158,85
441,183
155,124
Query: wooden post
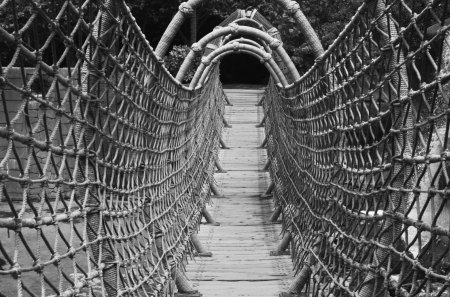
x,y
227,101
199,248
263,122
215,190
219,167
223,145
283,245
260,102
267,166
225,123
275,214
209,218
184,286
263,145
303,277
269,191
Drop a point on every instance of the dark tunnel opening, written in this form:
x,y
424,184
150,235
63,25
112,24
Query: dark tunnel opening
x,y
243,69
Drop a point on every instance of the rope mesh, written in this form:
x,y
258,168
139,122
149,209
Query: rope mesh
x,y
105,161
360,156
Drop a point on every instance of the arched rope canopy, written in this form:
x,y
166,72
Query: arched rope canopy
x,y
234,47
234,29
258,20
186,9
260,26
206,73
252,18
262,46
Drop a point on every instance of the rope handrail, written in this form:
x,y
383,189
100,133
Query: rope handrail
x,y
358,154
105,159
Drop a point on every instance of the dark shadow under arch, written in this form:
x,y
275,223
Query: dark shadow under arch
x,y
243,69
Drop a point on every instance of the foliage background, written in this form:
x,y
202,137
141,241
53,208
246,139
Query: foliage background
x,y
327,17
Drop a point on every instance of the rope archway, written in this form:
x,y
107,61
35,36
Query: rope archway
x,y
263,46
234,47
291,7
234,29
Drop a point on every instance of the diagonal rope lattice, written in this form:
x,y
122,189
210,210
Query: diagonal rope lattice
x,y
105,160
360,156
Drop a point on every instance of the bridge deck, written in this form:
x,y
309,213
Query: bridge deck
x,y
241,264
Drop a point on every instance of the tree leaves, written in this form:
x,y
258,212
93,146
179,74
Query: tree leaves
x,y
175,58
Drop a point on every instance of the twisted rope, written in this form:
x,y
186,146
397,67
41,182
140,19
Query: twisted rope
x,y
358,153
105,160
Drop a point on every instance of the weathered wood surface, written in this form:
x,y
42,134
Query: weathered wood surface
x,y
241,264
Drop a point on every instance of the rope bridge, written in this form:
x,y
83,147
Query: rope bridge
x,y
107,161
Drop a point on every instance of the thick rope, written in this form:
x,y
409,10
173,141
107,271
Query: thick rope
x,y
357,152
105,161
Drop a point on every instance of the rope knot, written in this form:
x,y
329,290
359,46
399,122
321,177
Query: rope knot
x,y
186,9
234,28
292,8
266,58
206,61
273,31
196,47
235,46
275,43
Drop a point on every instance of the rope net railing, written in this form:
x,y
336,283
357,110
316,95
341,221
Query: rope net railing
x,y
105,160
360,158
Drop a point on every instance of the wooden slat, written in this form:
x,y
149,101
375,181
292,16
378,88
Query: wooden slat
x,y
241,264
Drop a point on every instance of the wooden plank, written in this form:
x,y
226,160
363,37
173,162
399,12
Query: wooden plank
x,y
241,264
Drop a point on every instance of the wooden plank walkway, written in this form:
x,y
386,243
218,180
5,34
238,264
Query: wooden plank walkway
x,y
241,264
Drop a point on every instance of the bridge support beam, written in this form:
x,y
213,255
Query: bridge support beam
x,y
298,283
263,122
209,218
304,275
225,123
215,190
199,248
283,245
269,191
260,102
223,145
219,167
264,143
184,286
227,101
275,214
